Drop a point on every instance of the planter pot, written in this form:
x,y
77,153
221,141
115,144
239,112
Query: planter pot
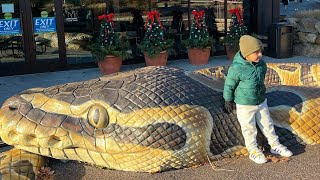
x,y
160,60
199,56
110,64
230,52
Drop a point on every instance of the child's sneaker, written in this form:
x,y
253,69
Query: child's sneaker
x,y
257,156
281,150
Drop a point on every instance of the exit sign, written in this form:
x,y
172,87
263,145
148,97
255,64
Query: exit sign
x,y
44,24
9,26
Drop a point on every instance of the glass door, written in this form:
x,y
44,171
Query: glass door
x,y
80,24
45,32
11,47
28,38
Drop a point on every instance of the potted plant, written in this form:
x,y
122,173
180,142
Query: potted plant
x,y
199,42
109,49
155,44
236,30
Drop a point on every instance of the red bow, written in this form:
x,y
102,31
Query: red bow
x,y
238,13
198,15
109,17
104,16
151,16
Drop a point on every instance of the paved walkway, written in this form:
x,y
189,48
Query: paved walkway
x,y
303,165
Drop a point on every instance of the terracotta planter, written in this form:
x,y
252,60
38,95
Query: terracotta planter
x,y
199,56
160,60
110,64
230,52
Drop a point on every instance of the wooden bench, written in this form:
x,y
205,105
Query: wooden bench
x,y
42,42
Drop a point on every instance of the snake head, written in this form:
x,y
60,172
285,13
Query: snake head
x,y
115,121
52,118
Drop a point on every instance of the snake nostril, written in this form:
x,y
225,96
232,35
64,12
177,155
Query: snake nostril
x,y
32,136
13,136
54,140
13,107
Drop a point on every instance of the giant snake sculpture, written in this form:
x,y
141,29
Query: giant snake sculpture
x,y
149,120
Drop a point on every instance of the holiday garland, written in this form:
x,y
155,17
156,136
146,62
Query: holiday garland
x,y
108,42
155,39
236,30
199,35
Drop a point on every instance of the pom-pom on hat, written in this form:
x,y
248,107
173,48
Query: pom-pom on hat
x,y
249,44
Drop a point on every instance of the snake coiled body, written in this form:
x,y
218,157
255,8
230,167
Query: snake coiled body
x,y
153,119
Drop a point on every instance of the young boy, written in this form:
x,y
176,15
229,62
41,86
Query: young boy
x,y
244,85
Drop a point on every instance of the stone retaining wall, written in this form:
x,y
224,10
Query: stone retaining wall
x,y
307,36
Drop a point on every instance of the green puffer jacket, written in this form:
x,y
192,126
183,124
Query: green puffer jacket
x,y
245,82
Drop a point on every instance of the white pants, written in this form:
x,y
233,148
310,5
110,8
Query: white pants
x,y
248,116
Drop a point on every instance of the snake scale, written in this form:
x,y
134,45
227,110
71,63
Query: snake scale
x,y
150,120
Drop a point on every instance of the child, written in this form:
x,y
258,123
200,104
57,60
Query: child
x,y
244,85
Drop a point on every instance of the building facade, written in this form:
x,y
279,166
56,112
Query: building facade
x,y
48,35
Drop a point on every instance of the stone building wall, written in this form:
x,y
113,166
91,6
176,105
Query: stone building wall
x,y
307,36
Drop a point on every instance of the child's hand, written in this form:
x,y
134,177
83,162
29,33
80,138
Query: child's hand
x,y
229,106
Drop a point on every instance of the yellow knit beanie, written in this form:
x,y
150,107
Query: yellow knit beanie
x,y
249,44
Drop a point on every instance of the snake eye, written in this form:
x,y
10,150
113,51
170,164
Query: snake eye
x,y
98,117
